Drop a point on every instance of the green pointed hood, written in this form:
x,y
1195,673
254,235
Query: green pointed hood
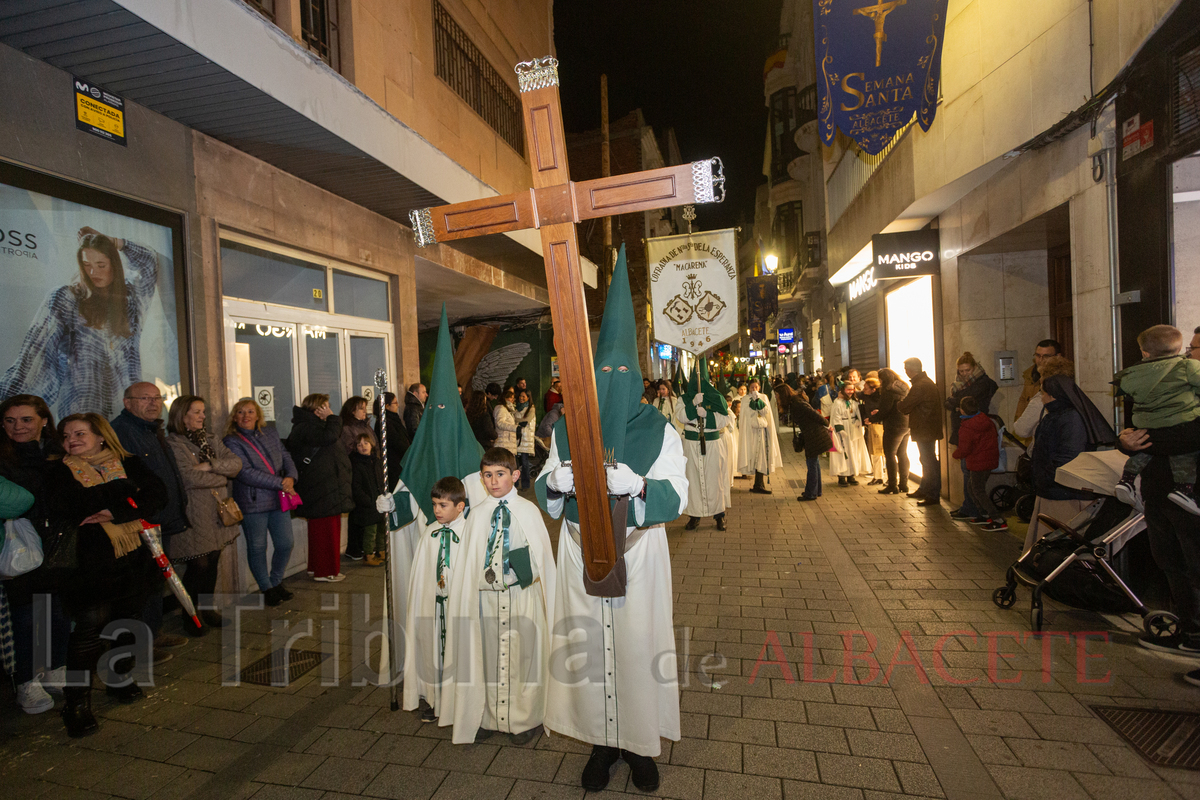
x,y
714,401
680,381
633,430
444,444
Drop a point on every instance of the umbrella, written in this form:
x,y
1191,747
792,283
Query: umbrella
x,y
152,536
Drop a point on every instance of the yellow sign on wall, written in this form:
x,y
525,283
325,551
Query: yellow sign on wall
x,y
98,112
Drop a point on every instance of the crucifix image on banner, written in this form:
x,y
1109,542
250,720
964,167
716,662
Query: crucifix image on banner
x,y
553,205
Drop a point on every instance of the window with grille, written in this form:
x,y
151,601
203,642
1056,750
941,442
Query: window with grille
x,y
461,65
264,7
319,29
1185,94
785,119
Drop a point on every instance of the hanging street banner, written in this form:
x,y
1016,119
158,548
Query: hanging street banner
x,y
762,303
879,63
693,288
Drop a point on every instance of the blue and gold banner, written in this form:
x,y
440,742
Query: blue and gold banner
x,y
879,62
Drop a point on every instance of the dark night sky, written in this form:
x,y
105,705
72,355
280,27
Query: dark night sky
x,y
694,65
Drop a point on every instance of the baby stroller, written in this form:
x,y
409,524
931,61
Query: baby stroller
x,y
1017,497
1071,563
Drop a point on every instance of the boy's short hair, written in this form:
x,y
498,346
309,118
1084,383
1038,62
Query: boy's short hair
x,y
498,457
1160,340
449,488
365,437
969,405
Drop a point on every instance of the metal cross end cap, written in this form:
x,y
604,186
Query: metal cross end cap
x,y
381,378
537,74
707,177
422,225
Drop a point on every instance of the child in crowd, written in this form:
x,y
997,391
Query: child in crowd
x,y
366,484
979,448
501,601
428,593
1164,386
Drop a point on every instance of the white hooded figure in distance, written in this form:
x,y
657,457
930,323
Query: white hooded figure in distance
x,y
758,448
613,674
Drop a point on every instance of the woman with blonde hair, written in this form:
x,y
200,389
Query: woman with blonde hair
x,y
103,493
267,476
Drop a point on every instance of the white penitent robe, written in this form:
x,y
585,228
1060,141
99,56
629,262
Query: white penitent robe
x,y
497,633
613,678
403,547
423,624
670,407
758,446
709,475
851,457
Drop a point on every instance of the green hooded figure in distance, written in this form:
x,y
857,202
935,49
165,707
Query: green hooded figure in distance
x,y
709,472
679,382
632,635
444,445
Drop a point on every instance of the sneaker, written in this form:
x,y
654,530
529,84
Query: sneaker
x,y
33,699
979,520
161,656
958,514
996,525
354,557
53,680
1192,677
331,578
1126,492
1169,644
1183,497
428,714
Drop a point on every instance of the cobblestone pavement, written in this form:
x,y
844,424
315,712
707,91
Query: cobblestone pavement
x,y
799,628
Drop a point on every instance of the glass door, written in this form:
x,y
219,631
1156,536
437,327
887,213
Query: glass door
x,y
323,364
263,364
367,354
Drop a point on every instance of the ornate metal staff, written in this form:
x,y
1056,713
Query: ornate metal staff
x,y
393,687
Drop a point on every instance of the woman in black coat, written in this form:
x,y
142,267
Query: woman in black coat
x,y
972,382
397,437
817,440
895,430
96,498
325,482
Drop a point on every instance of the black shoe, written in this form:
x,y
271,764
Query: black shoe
x,y
917,494
930,501
125,694
720,518
428,714
902,489
483,734
272,597
213,619
77,716
805,498
852,481
692,524
643,770
599,766
761,490
524,737
875,482
284,594
889,490
194,630
841,480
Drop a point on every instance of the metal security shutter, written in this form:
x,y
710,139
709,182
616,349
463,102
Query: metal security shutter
x,y
1185,94
863,321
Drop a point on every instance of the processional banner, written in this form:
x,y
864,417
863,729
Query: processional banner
x,y
879,63
762,303
693,288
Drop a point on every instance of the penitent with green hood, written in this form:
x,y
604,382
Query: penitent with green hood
x,y
704,415
632,635
443,446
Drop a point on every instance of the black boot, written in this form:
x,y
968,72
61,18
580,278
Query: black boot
x,y
692,524
643,770
720,518
77,712
599,766
759,487
125,694
841,480
213,619
889,489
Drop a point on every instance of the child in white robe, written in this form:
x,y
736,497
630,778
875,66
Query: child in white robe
x,y
501,604
428,594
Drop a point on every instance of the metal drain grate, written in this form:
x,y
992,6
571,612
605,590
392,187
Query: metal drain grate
x,y
1166,738
795,484
281,667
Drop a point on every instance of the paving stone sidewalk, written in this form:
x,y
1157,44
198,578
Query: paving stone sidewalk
x,y
845,649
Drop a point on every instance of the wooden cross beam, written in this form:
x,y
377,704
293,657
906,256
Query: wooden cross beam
x,y
553,206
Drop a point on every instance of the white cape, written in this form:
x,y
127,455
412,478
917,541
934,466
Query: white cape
x,y
851,457
709,476
758,447
421,626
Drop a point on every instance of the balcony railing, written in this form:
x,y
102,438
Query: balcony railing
x,y
851,174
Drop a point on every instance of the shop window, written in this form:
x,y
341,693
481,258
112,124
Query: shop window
x,y
359,296
463,67
788,231
252,274
319,29
785,119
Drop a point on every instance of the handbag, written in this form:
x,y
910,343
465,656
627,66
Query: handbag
x,y
22,550
227,510
287,502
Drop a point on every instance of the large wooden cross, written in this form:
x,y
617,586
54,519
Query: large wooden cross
x,y
553,206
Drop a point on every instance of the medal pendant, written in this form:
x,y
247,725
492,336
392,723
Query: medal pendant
x,y
441,582
490,575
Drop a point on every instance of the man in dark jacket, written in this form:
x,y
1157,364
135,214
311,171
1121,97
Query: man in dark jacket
x,y
140,430
414,406
923,405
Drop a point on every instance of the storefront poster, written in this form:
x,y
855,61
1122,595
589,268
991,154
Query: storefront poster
x,y
89,305
878,64
693,289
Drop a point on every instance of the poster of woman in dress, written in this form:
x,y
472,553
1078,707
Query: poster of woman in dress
x,y
89,304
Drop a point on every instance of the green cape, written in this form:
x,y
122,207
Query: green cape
x,y
633,431
444,443
714,401
679,382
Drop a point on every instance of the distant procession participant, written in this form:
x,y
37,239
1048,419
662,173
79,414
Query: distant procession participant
x,y
705,416
845,417
632,636
758,449
731,442
668,405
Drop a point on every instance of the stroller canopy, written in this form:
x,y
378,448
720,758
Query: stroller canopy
x,y
1097,472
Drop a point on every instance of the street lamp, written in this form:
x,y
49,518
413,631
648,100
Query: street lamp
x,y
770,263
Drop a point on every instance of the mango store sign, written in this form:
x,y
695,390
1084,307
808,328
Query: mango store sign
x,y
908,254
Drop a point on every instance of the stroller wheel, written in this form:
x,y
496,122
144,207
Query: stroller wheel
x,y
1035,616
1005,597
1161,624
1004,497
1024,507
